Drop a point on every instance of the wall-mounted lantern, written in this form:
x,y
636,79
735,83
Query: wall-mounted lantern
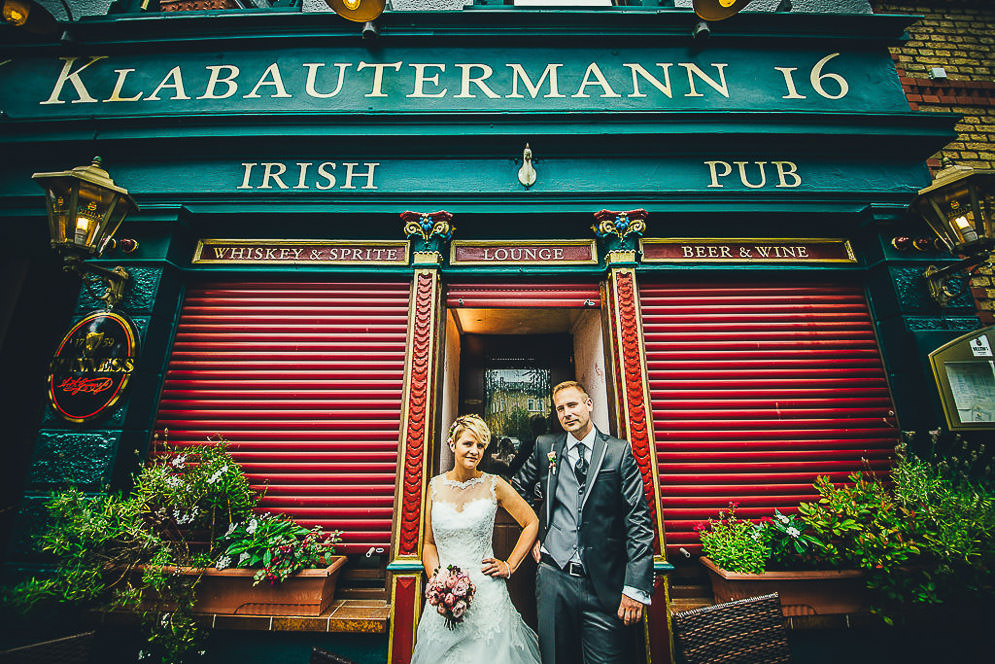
x,y
958,206
85,209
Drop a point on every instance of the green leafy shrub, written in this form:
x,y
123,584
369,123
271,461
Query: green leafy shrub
x,y
119,552
193,493
860,525
954,515
924,537
734,544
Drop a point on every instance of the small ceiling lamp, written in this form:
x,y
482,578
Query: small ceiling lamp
x,y
958,206
85,209
31,16
719,10
358,11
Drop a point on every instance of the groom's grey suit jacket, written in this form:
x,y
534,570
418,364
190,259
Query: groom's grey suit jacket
x,y
616,531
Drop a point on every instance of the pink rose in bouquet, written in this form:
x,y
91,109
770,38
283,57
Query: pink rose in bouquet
x,y
450,592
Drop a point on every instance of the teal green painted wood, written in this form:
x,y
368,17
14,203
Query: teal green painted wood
x,y
73,458
405,566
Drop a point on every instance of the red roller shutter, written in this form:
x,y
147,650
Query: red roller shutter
x,y
523,295
756,390
304,380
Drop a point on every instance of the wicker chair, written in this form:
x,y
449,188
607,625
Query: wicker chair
x,y
746,631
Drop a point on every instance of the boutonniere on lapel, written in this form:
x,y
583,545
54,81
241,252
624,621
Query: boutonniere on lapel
x,y
552,460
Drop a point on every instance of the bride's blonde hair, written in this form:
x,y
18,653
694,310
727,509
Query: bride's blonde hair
x,y
472,423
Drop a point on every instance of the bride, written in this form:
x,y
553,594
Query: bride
x,y
459,530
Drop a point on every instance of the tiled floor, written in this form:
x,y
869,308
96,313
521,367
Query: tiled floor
x,y
344,615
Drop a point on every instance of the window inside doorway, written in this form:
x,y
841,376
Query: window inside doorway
x,y
508,380
516,404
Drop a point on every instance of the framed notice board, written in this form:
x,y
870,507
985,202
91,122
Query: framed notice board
x,y
964,370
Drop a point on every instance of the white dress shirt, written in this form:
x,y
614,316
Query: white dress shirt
x,y
572,455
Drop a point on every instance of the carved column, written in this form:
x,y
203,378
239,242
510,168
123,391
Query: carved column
x,y
417,428
619,232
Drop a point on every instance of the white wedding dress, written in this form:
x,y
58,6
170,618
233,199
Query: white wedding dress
x,y
492,630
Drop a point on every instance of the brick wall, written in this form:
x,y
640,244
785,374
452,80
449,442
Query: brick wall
x,y
959,36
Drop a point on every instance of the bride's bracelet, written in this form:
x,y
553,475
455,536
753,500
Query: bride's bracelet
x,y
506,564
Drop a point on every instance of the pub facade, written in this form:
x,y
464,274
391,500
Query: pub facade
x,y
342,243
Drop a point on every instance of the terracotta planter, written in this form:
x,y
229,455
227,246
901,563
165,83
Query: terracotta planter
x,y
803,593
230,591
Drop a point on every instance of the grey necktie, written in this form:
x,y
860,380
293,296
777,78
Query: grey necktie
x,y
580,467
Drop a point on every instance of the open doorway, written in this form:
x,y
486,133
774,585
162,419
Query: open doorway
x,y
502,363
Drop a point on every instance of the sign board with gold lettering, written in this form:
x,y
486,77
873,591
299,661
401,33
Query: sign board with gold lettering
x,y
91,368
474,77
301,252
746,250
523,252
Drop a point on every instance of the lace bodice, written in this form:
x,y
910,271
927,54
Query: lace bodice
x,y
463,520
492,631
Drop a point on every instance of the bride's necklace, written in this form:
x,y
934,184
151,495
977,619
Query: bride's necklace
x,y
463,485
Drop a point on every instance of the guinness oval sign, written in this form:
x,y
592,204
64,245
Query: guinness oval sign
x,y
91,368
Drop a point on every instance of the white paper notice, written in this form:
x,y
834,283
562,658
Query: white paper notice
x,y
973,388
980,346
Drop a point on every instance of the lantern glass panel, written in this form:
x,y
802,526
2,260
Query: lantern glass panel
x,y
959,215
120,210
91,222
57,199
62,199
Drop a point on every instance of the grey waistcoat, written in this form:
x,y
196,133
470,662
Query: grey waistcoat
x,y
563,536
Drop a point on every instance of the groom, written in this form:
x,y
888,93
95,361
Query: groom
x,y
595,538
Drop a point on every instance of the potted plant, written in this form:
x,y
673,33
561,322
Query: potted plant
x,y
739,552
270,565
922,539
153,550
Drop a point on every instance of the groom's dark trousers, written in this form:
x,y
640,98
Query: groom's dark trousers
x,y
574,625
609,524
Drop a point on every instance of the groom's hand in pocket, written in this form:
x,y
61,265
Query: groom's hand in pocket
x,y
630,611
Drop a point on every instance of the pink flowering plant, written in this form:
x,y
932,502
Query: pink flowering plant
x,y
450,591
276,545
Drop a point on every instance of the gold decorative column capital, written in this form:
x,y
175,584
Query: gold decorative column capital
x,y
427,259
620,258
434,229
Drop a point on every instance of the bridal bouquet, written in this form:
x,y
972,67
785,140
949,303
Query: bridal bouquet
x,y
450,592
